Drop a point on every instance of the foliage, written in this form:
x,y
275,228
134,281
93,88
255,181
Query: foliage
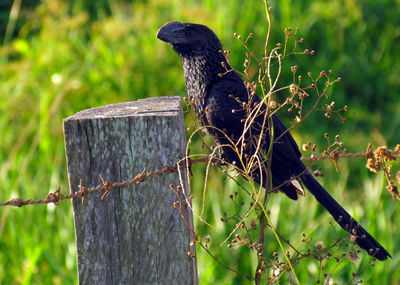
x,y
63,57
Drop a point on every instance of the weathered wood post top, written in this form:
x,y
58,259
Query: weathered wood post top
x,y
134,235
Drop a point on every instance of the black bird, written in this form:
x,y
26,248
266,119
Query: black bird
x,y
235,118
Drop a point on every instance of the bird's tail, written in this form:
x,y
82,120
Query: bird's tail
x,y
347,222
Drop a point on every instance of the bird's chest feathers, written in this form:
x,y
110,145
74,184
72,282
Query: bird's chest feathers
x,y
197,77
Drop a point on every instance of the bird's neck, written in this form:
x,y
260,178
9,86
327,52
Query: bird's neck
x,y
201,70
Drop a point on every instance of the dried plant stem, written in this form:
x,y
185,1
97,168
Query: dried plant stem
x,y
279,242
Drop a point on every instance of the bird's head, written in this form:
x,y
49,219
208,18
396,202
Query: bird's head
x,y
189,39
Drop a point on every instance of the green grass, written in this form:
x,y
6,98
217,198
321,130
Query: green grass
x,y
62,59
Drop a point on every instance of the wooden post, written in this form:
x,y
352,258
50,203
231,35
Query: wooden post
x,y
134,235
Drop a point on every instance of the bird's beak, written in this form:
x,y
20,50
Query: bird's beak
x,y
170,32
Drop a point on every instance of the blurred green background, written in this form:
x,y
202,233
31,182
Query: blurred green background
x,y
59,57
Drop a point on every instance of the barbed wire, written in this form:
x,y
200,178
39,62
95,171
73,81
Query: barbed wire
x,y
106,185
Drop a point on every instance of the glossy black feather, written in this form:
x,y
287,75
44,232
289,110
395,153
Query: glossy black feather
x,y
217,101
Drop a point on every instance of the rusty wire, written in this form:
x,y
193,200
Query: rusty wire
x,y
106,186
